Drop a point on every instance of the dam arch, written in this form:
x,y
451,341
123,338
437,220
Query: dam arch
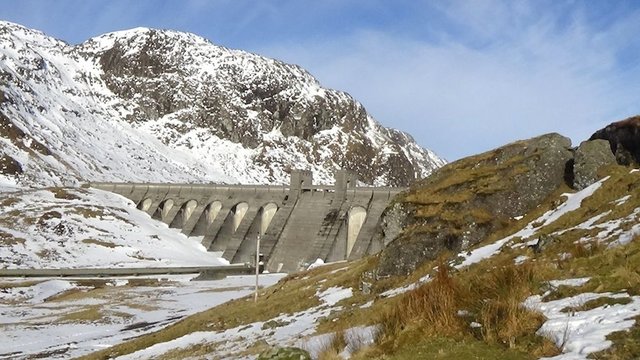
x,y
163,210
185,212
207,218
239,211
145,204
298,223
355,220
268,211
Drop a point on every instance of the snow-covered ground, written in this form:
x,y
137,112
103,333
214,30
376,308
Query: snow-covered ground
x,y
33,323
87,228
295,329
575,330
581,332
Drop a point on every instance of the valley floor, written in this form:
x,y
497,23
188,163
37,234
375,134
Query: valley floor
x,y
64,318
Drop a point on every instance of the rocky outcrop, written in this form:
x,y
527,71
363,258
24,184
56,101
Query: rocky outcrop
x,y
624,140
284,353
590,156
461,203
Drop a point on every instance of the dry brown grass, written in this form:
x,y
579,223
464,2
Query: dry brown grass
x,y
433,306
497,300
490,297
333,348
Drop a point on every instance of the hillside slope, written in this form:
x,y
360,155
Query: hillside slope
x,y
557,279
165,106
85,228
561,282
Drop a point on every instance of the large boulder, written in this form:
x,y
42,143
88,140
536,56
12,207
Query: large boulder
x,y
590,156
284,353
624,140
461,203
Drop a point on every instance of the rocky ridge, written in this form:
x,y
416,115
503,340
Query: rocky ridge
x,y
464,202
159,105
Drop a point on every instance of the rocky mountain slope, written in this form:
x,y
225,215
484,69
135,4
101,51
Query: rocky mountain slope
x,y
84,228
156,105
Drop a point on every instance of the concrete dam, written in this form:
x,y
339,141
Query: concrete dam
x,y
297,224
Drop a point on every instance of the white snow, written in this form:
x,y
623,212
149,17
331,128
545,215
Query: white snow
x,y
579,333
315,264
333,295
403,289
355,338
295,329
572,203
91,229
569,282
32,326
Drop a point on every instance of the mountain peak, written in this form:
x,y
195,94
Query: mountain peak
x,y
160,105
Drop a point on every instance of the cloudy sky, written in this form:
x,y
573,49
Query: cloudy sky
x,y
460,76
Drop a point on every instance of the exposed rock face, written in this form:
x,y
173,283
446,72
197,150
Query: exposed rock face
x,y
10,166
589,157
221,115
624,139
463,202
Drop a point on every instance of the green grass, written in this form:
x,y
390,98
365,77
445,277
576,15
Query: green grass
x,y
626,345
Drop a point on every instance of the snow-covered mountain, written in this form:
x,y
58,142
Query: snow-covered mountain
x,y
166,106
86,228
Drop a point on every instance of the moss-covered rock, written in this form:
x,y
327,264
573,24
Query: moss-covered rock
x,y
590,156
284,353
463,202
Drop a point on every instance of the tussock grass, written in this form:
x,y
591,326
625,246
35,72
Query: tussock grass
x,y
332,349
497,299
433,306
483,305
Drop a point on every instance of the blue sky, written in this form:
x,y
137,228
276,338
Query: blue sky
x,y
460,76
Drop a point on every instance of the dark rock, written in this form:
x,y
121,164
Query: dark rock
x,y
624,140
284,353
460,204
10,166
19,138
589,157
272,324
155,79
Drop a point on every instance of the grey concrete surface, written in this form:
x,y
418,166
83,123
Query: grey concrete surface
x,y
211,271
311,221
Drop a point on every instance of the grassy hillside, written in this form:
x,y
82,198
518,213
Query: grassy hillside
x,y
447,310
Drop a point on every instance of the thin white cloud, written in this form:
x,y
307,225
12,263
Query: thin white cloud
x,y
462,96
